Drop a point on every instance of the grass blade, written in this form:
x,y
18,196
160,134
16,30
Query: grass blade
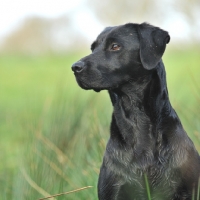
x,y
64,193
147,187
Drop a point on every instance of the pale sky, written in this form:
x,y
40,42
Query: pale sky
x,y
12,12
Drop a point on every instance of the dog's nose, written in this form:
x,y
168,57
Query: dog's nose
x,y
78,66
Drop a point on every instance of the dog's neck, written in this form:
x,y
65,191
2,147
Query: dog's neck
x,y
142,102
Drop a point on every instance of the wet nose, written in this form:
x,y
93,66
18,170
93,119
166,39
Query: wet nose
x,y
78,66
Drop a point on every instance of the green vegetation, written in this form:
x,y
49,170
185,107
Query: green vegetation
x,y
53,133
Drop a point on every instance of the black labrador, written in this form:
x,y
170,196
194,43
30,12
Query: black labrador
x,y
149,153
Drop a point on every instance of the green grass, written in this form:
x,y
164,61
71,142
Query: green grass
x,y
53,133
147,187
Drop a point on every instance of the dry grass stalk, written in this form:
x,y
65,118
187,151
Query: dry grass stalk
x,y
77,190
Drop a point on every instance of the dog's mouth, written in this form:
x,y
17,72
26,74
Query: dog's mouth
x,y
89,86
82,84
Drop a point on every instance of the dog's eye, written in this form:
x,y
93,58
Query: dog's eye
x,y
115,47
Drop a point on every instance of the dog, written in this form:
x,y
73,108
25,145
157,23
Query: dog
x,y
148,155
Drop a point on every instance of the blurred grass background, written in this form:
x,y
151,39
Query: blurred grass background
x,y
53,133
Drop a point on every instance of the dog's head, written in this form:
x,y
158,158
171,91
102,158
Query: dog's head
x,y
119,54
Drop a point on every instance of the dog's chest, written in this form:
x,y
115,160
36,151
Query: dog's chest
x,y
132,171
133,153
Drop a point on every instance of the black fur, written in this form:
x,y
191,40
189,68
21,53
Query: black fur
x,y
146,135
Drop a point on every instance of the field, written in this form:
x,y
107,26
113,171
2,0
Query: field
x,y
53,133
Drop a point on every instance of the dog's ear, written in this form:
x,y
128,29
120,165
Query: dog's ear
x,y
153,41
